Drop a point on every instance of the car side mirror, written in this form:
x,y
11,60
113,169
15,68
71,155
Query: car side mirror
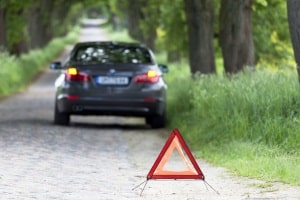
x,y
163,68
55,65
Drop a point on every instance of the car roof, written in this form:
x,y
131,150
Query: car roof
x,y
110,43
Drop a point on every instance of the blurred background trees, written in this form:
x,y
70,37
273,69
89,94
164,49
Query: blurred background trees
x,y
239,33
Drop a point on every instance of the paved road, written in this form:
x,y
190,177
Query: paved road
x,y
96,157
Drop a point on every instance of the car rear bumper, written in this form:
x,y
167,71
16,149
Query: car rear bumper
x,y
119,107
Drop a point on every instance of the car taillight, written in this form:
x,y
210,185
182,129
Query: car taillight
x,y
72,97
72,74
150,77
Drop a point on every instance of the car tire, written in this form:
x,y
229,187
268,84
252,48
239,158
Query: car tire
x,y
156,122
61,118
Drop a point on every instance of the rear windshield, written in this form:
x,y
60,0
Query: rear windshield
x,y
112,54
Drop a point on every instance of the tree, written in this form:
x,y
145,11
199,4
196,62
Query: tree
x,y
142,21
293,10
236,39
16,33
12,25
271,33
200,21
173,29
40,20
3,37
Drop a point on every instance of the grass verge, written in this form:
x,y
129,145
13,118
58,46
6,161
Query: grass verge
x,y
248,123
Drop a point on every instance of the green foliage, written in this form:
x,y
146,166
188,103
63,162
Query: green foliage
x,y
240,121
7,78
173,28
15,21
255,160
17,73
118,36
151,22
271,33
270,29
14,28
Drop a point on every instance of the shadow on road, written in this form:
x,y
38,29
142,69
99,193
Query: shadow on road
x,y
47,124
110,126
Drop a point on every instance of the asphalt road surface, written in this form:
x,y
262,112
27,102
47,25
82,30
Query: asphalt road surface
x,y
98,157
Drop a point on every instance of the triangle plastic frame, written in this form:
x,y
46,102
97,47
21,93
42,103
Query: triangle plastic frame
x,y
177,175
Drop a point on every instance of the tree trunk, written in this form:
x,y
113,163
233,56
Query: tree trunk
x,y
18,43
293,11
58,22
136,17
149,39
3,38
236,38
33,28
40,29
200,20
173,56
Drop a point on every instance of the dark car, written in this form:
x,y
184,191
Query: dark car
x,y
110,78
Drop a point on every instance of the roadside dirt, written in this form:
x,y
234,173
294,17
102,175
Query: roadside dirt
x,y
227,185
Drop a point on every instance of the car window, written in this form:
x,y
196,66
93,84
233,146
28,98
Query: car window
x,y
112,54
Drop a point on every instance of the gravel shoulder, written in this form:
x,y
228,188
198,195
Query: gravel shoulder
x,y
225,183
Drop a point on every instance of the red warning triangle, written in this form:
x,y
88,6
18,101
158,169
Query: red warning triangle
x,y
175,141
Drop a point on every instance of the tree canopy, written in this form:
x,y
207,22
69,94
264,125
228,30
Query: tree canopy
x,y
256,32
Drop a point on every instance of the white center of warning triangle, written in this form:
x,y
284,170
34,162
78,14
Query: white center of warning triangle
x,y
170,162
177,163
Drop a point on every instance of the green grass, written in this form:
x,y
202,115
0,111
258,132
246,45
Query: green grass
x,y
17,73
248,123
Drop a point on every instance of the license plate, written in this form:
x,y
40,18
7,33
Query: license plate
x,y
112,80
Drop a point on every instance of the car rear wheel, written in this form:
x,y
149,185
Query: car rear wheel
x,y
61,118
158,121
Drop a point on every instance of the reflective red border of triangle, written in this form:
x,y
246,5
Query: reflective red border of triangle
x,y
152,175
